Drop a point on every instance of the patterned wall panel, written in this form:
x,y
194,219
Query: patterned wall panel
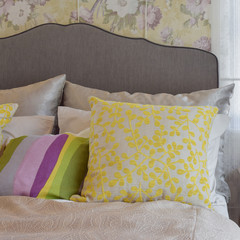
x,y
20,15
169,22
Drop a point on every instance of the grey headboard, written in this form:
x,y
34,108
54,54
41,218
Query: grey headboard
x,y
95,58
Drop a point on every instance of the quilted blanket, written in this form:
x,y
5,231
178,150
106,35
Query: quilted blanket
x,y
30,218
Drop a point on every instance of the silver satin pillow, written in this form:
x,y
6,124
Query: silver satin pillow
x,y
40,98
76,96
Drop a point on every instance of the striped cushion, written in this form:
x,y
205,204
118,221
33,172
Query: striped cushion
x,y
50,166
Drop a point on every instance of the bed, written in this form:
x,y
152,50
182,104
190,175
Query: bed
x,y
101,64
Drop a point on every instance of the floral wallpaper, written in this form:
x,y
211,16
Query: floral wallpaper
x,y
169,22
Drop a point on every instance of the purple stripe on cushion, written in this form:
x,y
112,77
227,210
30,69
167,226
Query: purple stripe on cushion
x,y
48,164
27,172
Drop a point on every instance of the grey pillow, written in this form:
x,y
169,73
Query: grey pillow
x,y
40,98
76,96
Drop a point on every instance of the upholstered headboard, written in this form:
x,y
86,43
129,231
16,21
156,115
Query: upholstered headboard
x,y
95,58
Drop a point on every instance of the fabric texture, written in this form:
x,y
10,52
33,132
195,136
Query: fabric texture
x,y
27,125
49,166
145,152
73,120
76,96
6,113
40,98
49,219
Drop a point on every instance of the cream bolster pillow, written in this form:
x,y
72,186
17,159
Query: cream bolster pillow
x,y
146,152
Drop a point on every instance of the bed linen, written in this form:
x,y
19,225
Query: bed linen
x,y
30,218
220,205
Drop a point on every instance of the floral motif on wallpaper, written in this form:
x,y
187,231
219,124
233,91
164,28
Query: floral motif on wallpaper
x,y
169,22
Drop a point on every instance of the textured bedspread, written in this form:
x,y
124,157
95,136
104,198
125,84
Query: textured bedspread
x,y
27,218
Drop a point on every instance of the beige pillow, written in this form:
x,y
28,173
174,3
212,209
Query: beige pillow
x,y
27,125
84,133
73,120
76,96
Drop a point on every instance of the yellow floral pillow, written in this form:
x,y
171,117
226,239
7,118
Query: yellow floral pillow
x,y
144,153
6,113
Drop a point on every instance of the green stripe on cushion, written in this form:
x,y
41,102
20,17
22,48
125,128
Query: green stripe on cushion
x,y
72,149
75,178
10,149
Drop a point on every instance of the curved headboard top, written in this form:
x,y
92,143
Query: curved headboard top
x,y
95,58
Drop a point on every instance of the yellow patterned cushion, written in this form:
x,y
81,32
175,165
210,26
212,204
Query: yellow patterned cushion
x,y
6,113
144,153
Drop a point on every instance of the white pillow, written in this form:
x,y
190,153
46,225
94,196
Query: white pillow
x,y
27,125
84,134
219,126
77,121
73,120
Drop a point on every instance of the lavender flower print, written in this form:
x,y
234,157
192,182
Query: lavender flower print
x,y
4,6
203,43
154,16
178,42
37,2
166,34
19,12
86,14
197,7
74,16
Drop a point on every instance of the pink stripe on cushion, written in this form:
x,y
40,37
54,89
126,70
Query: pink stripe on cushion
x,y
26,174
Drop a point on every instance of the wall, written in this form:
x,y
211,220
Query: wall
x,y
170,22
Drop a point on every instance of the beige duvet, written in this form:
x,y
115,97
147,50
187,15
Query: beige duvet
x,y
28,218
